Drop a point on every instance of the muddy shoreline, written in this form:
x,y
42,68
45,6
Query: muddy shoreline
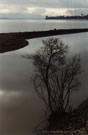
x,y
17,40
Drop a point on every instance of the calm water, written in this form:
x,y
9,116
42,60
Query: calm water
x,y
20,108
32,25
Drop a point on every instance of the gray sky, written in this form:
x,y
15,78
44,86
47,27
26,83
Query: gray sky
x,y
38,8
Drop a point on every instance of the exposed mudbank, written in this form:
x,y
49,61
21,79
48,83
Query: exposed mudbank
x,y
15,41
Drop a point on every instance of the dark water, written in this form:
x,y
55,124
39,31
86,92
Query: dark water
x,y
20,108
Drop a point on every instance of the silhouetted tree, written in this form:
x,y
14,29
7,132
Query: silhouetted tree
x,y
56,74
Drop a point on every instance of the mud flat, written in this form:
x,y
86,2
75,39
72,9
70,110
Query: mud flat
x,y
15,41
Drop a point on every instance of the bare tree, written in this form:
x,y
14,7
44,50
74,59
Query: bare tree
x,y
56,74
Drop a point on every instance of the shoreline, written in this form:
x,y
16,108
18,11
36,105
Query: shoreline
x,y
17,40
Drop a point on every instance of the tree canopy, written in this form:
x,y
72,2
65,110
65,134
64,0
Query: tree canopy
x,y
56,74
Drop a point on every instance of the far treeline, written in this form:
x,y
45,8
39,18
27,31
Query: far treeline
x,y
81,17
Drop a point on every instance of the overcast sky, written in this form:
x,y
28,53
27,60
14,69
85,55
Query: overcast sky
x,y
41,8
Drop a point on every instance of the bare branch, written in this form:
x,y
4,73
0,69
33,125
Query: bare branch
x,y
56,74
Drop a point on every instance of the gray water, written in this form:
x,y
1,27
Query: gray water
x,y
20,108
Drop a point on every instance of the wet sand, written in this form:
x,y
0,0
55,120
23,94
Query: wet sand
x,y
15,41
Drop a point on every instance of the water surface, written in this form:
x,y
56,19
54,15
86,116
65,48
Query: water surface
x,y
20,107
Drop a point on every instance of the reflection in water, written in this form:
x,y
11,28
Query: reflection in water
x,y
18,112
18,102
20,108
39,25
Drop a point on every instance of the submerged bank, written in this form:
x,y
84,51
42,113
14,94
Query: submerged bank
x,y
15,41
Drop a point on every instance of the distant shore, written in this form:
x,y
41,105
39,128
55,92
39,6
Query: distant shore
x,y
76,17
17,40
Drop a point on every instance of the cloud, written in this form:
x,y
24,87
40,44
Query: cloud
x,y
12,9
77,11
52,3
55,11
38,8
46,11
35,10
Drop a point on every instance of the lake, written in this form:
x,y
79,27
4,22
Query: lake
x,y
20,108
